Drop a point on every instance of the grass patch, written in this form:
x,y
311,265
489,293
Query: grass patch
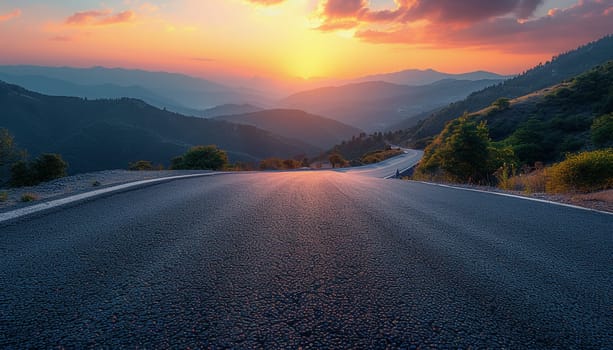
x,y
4,196
379,156
29,197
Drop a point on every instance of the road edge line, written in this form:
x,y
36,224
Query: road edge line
x,y
515,196
21,212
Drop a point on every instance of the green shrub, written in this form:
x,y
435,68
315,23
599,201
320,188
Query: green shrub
x,y
337,159
502,103
21,175
201,158
29,197
582,172
379,156
4,196
602,130
46,167
49,167
140,165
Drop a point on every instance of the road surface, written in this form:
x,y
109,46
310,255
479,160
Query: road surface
x,y
388,167
307,259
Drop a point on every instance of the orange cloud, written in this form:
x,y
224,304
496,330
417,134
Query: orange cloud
x,y
266,2
96,17
10,15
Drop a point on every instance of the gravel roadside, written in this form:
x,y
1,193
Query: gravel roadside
x,y
79,183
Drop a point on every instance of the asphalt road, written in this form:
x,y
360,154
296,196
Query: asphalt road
x,y
388,167
307,259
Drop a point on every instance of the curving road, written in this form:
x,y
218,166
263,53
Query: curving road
x,y
307,259
387,168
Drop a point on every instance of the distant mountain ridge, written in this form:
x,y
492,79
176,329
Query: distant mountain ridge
x,y
186,91
428,76
312,129
58,87
375,105
229,109
108,134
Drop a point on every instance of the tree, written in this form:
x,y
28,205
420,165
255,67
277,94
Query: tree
x,y
335,158
201,158
602,130
21,174
9,154
461,153
502,103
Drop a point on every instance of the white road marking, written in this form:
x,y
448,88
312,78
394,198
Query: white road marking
x,y
14,214
516,196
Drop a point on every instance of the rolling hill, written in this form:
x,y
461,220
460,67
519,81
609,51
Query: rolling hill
x,y
376,105
312,129
107,134
560,68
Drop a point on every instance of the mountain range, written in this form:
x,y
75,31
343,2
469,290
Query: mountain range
x,y
109,133
428,76
164,90
205,98
375,105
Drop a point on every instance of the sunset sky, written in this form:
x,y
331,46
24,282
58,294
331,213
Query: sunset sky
x,y
298,38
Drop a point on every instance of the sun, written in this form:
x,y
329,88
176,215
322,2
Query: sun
x,y
307,62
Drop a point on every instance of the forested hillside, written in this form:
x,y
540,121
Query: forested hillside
x,y
108,134
560,68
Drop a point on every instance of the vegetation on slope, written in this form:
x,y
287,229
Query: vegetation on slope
x,y
560,68
569,117
541,128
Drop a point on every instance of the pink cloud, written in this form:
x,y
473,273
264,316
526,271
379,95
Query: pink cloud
x,y
61,38
8,16
585,21
96,17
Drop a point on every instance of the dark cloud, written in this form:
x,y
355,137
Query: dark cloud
x,y
585,21
344,8
469,10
